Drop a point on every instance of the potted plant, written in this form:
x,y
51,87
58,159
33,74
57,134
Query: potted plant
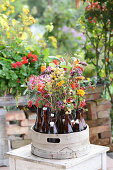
x,y
58,94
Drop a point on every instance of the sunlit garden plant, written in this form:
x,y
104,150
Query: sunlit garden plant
x,y
16,44
98,27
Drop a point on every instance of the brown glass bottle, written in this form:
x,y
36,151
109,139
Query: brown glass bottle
x,y
82,120
38,121
60,122
67,124
52,128
52,124
44,124
77,126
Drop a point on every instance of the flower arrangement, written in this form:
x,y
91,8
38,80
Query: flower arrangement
x,y
60,86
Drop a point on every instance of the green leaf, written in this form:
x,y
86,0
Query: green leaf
x,y
52,64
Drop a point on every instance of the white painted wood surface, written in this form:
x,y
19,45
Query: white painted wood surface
x,y
22,159
70,145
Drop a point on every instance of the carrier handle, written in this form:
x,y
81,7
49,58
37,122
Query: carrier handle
x,y
53,140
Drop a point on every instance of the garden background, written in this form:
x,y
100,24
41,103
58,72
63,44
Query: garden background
x,y
46,30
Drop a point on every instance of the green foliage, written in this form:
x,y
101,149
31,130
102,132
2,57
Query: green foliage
x,y
97,26
16,41
89,71
64,16
37,7
11,78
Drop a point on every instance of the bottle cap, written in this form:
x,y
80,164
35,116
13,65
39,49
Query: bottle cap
x,y
52,114
44,108
63,120
52,123
73,122
77,121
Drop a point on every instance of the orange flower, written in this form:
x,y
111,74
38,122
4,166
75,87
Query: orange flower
x,y
77,61
73,86
80,78
43,68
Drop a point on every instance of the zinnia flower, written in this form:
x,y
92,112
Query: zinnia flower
x,y
80,78
40,87
81,92
61,82
55,61
73,86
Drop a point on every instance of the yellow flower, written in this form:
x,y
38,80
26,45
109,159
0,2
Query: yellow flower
x,y
12,7
49,27
81,92
4,8
80,78
12,0
88,79
12,11
31,19
14,22
8,12
61,82
26,11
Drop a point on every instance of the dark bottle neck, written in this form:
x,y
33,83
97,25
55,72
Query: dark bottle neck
x,y
78,114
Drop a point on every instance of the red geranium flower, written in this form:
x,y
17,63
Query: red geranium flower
x,y
14,65
25,60
29,55
34,58
89,18
19,64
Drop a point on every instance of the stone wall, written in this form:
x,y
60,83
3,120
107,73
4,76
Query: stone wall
x,y
98,118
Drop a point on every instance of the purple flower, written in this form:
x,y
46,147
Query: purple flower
x,y
49,68
82,63
72,73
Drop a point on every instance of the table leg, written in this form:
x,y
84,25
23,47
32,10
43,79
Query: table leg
x,y
103,161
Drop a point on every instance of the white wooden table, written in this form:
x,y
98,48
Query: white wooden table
x,y
22,159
